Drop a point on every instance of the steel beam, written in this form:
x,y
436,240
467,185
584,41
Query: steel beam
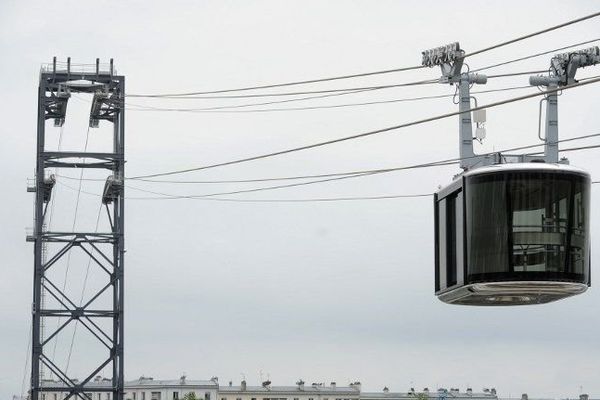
x,y
53,93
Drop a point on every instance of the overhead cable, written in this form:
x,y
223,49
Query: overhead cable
x,y
341,176
402,69
369,133
143,107
530,35
275,85
303,92
535,55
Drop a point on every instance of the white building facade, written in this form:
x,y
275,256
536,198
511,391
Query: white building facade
x,y
146,388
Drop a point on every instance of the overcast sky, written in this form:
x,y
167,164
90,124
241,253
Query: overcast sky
x,y
320,291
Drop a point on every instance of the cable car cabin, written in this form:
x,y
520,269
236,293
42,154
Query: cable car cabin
x,y
513,234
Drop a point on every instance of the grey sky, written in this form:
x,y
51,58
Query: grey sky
x,y
324,292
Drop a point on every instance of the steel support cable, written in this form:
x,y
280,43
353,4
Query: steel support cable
x,y
275,187
79,191
330,199
85,279
307,176
143,107
232,110
530,35
276,85
165,196
359,104
52,205
314,176
297,177
29,338
297,93
535,55
369,133
416,67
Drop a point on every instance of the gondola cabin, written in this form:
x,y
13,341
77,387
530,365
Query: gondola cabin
x,y
513,234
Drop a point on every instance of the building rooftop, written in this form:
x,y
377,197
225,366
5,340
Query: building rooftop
x,y
139,383
290,389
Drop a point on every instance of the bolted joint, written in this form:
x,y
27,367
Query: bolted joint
x,y
478,79
77,313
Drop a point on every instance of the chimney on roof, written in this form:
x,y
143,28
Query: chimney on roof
x,y
524,396
243,386
333,385
386,390
300,384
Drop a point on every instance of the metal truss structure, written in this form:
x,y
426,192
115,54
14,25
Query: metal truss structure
x,y
105,249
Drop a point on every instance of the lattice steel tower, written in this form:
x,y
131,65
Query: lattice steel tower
x,y
105,249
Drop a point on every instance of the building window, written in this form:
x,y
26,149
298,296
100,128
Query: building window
x,y
55,396
155,396
43,396
143,395
175,395
134,396
206,396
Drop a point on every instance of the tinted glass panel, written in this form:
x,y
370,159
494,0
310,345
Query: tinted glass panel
x,y
451,240
527,225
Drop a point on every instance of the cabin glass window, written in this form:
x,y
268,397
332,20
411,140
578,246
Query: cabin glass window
x,y
527,224
450,241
